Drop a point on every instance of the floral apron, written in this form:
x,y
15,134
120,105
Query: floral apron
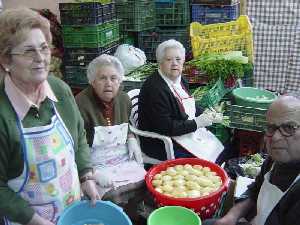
x,y
49,181
110,154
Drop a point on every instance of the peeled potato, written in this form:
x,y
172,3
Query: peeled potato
x,y
187,181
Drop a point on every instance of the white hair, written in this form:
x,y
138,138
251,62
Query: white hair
x,y
101,61
162,47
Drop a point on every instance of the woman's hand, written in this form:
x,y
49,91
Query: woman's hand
x,y
89,188
38,220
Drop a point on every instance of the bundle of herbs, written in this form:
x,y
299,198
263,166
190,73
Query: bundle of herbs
x,y
222,65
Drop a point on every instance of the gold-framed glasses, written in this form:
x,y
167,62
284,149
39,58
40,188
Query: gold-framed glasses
x,y
32,53
286,129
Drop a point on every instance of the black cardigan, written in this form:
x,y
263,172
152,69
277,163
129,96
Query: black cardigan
x,y
160,112
287,210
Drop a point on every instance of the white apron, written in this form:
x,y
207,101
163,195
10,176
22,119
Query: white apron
x,y
201,143
110,154
49,181
268,197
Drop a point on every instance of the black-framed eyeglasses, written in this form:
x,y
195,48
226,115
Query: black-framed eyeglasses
x,y
286,130
32,53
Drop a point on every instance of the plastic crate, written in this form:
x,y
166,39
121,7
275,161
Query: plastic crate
x,y
90,36
213,95
100,1
86,13
194,76
215,2
207,14
149,40
136,15
249,142
246,118
175,13
75,76
83,56
222,37
220,131
130,85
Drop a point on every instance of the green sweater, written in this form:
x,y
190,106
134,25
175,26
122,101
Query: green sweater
x,y
11,163
91,110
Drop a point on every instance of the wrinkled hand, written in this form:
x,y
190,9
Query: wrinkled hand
x,y
204,120
38,220
215,116
102,179
89,188
134,150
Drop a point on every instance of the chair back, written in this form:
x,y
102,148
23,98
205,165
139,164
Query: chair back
x,y
134,97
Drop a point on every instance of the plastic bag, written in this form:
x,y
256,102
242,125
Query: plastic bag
x,y
130,57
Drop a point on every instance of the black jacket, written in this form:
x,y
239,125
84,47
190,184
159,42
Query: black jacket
x,y
160,112
287,210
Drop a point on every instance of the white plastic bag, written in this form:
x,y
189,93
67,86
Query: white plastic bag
x,y
130,57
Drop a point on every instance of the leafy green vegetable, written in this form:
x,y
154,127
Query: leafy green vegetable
x,y
224,65
142,72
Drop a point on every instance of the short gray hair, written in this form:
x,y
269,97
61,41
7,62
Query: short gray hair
x,y
162,47
101,61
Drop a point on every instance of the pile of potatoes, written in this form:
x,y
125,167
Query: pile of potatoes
x,y
186,181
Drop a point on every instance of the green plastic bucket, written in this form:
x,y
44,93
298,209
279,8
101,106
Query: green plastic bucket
x,y
173,215
253,97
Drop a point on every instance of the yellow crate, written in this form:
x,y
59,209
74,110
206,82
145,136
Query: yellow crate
x,y
222,37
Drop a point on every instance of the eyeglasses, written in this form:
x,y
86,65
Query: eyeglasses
x,y
286,130
32,53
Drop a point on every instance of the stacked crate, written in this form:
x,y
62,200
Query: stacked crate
x,y
215,11
172,20
135,16
89,30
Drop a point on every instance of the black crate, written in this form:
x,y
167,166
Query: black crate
x,y
215,2
83,56
149,40
86,13
136,15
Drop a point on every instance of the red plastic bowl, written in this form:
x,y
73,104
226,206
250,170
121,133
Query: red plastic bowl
x,y
205,206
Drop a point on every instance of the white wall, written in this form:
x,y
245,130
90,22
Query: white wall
x,y
37,4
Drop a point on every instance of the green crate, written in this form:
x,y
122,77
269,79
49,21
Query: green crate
x,y
175,13
213,95
128,85
90,36
75,76
220,131
246,118
136,15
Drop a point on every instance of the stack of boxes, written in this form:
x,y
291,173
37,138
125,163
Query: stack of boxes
x,y
89,30
135,16
214,11
172,21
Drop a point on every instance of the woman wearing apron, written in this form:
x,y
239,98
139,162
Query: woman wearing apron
x,y
43,144
165,107
116,155
275,192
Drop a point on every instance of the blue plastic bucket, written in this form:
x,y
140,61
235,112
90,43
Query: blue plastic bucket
x,y
105,212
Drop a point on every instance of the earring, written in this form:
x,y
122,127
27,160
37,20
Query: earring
x,y
7,70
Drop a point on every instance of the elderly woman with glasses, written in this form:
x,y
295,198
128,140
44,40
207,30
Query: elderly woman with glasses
x,y
274,195
166,107
116,155
44,154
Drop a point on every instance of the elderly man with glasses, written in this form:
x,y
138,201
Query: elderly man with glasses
x,y
275,193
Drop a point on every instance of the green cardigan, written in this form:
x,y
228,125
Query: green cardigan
x,y
91,110
11,163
